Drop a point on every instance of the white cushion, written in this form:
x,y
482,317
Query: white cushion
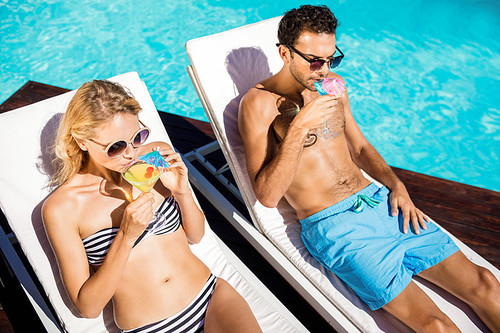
x,y
23,188
226,65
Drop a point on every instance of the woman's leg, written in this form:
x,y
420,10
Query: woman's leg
x,y
229,312
473,284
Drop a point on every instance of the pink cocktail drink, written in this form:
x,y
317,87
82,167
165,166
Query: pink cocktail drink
x,y
329,86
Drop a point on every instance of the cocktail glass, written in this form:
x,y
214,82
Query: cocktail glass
x,y
326,132
329,86
142,176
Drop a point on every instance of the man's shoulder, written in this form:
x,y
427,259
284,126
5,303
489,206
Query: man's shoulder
x,y
258,107
258,94
258,97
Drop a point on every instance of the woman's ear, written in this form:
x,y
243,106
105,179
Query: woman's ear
x,y
81,144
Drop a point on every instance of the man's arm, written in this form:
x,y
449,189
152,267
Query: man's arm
x,y
272,173
367,158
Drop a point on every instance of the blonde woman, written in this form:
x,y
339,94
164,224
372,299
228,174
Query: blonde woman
x,y
102,242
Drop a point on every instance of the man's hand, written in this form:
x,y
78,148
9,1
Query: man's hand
x,y
316,112
401,199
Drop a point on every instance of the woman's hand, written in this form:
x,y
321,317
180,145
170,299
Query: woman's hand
x,y
175,177
137,216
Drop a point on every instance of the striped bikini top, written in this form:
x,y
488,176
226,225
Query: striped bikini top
x,y
167,220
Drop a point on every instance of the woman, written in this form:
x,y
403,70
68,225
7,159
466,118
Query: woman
x,y
103,248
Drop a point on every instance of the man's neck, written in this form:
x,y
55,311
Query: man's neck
x,y
288,86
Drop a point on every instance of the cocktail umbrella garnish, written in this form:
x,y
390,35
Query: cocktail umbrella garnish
x,y
330,86
154,158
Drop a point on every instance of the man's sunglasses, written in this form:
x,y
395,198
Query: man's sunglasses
x,y
116,148
317,64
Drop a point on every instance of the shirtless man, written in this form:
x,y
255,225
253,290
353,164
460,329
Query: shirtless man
x,y
374,239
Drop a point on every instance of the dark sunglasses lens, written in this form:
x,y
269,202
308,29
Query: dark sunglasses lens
x,y
141,137
117,148
335,62
316,65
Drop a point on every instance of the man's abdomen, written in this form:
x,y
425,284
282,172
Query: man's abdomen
x,y
324,177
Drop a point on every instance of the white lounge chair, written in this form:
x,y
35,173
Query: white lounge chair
x,y
23,188
223,67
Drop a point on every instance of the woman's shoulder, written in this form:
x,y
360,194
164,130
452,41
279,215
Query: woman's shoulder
x,y
60,205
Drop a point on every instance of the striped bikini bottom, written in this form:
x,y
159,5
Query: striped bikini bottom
x,y
189,320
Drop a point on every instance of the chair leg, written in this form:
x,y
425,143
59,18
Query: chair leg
x,y
199,154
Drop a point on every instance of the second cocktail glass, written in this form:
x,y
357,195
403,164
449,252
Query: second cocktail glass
x,y
329,86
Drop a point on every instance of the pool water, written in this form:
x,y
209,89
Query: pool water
x,y
423,76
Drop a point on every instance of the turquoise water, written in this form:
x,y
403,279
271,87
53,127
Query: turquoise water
x,y
423,77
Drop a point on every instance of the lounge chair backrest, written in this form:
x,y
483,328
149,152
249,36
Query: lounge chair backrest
x,y
243,57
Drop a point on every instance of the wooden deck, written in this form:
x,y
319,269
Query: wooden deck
x,y
472,214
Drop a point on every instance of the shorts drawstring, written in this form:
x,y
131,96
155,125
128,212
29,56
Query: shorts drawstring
x,y
358,204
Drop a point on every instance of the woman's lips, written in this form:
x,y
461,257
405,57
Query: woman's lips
x,y
128,164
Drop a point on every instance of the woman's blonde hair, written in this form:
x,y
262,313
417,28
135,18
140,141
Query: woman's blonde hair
x,y
93,104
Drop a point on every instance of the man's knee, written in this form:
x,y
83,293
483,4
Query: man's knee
x,y
489,280
487,286
488,291
439,324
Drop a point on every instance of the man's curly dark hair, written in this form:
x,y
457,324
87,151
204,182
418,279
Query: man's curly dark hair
x,y
317,19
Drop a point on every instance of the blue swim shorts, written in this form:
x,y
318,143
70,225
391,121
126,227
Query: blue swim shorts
x,y
359,241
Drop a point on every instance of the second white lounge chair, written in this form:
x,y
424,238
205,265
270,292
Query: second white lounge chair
x,y
223,67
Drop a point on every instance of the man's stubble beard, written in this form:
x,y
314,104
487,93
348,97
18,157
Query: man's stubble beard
x,y
300,78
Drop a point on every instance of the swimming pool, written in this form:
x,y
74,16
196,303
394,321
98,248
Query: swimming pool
x,y
423,77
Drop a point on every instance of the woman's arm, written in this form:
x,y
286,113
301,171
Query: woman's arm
x,y
193,219
90,294
175,178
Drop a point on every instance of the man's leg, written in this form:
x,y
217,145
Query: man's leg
x,y
416,309
473,284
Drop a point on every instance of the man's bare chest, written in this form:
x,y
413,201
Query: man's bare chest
x,y
288,110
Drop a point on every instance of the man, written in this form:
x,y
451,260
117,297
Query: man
x,y
374,239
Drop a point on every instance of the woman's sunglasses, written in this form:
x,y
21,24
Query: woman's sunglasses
x,y
115,149
317,64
